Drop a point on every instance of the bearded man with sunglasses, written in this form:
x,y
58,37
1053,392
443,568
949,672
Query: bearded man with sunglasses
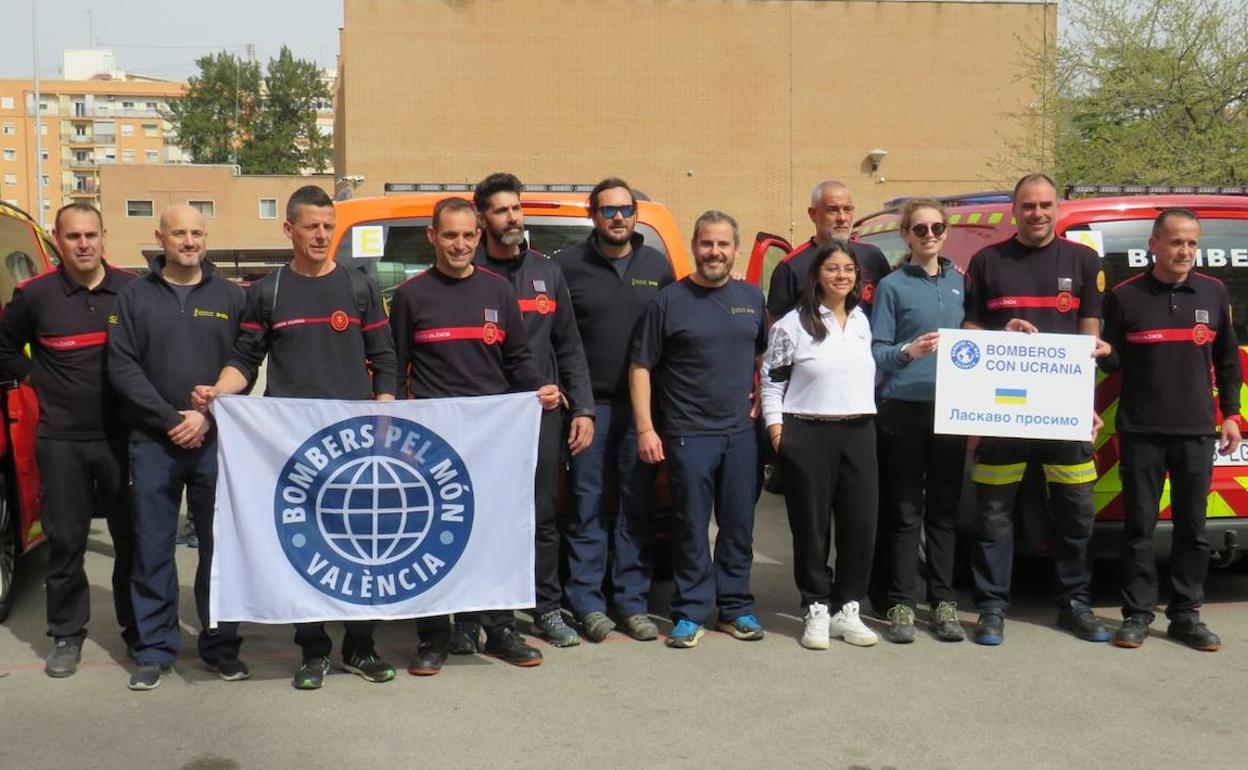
x,y
832,212
611,277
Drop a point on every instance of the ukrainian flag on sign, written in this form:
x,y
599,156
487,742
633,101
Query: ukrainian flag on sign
x,y
1011,396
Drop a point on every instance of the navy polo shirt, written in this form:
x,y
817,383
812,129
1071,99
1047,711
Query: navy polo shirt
x,y
700,345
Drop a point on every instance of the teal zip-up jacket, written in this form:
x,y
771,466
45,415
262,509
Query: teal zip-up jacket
x,y
909,302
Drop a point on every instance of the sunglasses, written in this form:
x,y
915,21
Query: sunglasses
x,y
920,231
609,212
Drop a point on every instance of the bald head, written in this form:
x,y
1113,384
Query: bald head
x,y
832,211
183,237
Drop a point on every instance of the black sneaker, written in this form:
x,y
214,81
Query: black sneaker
x,y
1132,632
429,659
147,676
62,660
1194,634
508,645
990,630
1078,618
465,638
230,669
366,665
311,673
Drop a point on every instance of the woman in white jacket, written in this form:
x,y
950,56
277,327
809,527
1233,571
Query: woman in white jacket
x,y
819,404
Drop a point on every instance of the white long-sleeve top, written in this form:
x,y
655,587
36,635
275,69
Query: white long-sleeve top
x,y
834,377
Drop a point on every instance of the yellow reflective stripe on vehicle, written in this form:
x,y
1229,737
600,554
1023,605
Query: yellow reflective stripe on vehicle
x,y
973,218
1217,508
998,475
955,218
995,217
36,529
1080,473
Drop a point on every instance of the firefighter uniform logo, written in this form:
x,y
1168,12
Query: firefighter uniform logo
x,y
339,321
1200,334
1202,316
1064,301
374,510
542,303
868,292
1100,281
489,333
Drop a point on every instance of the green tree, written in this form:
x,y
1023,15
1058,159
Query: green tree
x,y
1141,91
275,130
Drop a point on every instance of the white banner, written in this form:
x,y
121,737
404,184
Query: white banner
x,y
1015,385
373,510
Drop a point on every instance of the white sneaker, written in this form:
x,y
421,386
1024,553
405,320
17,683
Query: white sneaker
x,y
847,625
815,634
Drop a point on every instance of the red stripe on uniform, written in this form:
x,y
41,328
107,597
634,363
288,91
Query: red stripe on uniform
x,y
250,326
1150,336
1029,302
377,325
534,306
306,321
88,340
449,333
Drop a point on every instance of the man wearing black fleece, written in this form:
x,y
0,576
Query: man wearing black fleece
x,y
174,330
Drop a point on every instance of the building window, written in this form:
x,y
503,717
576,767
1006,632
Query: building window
x,y
43,154
43,129
139,208
268,208
153,106
127,105
6,102
127,129
47,180
10,180
10,129
151,156
151,129
10,154
206,208
127,156
110,155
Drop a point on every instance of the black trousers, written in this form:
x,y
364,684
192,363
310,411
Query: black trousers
x,y
317,644
999,467
1144,461
920,482
828,467
80,478
548,590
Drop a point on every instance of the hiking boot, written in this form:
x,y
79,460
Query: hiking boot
x,y
641,627
686,634
147,676
230,669
465,638
849,626
311,673
509,646
1078,618
1132,632
62,660
596,626
556,631
990,630
744,627
945,623
429,658
815,632
900,624
366,665
1194,634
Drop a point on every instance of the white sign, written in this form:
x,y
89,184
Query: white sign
x,y
1015,385
368,241
373,510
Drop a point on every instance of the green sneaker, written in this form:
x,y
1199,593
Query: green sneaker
x,y
366,665
311,673
900,624
556,630
946,625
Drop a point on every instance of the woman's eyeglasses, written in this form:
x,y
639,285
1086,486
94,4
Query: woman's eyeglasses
x,y
921,230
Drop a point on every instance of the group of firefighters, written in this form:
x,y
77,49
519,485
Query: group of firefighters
x,y
632,367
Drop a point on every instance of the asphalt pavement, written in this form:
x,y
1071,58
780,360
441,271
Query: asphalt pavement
x,y
1042,700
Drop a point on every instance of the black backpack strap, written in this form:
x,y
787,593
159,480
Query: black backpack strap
x,y
359,289
268,298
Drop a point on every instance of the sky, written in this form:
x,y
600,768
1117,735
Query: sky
x,y
163,38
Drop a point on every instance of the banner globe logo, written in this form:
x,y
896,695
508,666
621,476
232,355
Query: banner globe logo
x,y
374,510
965,354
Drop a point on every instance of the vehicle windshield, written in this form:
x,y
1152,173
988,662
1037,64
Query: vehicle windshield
x,y
404,251
19,254
1223,254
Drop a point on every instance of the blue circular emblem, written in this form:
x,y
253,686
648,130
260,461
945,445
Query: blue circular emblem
x,y
374,510
965,354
